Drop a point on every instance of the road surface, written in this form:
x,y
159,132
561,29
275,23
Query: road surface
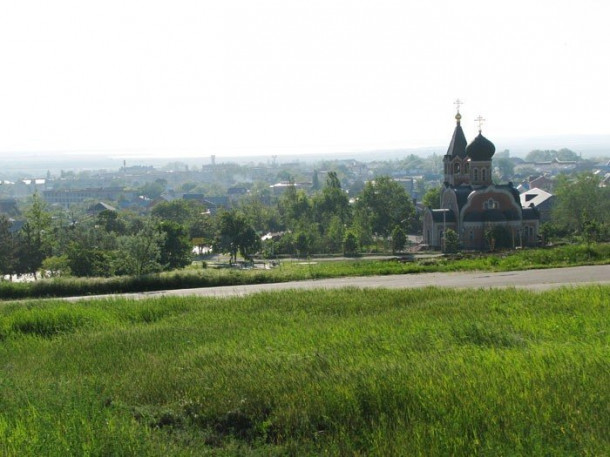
x,y
528,279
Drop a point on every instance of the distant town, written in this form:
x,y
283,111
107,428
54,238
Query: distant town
x,y
299,208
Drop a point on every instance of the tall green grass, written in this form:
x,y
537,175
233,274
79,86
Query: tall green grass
x,y
345,372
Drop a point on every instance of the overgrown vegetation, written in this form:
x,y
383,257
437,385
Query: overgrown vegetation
x,y
292,271
346,372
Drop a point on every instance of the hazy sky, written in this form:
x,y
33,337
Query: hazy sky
x,y
281,76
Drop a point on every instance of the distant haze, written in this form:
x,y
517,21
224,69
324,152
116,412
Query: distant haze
x,y
287,77
33,164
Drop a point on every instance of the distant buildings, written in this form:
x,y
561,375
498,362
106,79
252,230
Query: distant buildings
x,y
67,197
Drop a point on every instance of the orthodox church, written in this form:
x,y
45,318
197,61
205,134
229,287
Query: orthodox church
x,y
482,214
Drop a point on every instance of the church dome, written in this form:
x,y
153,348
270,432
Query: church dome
x,y
481,149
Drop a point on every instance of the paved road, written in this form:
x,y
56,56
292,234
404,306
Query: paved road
x,y
529,279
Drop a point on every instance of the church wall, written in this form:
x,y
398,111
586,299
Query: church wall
x,y
530,233
483,199
473,234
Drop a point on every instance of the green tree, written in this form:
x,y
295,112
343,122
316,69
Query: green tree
x,y
302,244
7,247
399,240
141,253
236,235
538,155
176,251
497,237
89,261
315,181
579,200
451,241
388,204
35,237
332,201
154,189
567,155
295,208
351,246
505,166
110,221
249,242
432,198
180,211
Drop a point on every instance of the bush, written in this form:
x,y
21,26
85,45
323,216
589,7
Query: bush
x,y
350,244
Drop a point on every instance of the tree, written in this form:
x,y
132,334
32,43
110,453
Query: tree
x,y
399,240
302,244
89,261
567,155
180,211
580,200
315,181
111,222
451,241
538,155
505,166
332,212
388,204
249,242
141,253
432,198
35,237
154,189
350,244
236,235
497,237
176,250
295,208
7,247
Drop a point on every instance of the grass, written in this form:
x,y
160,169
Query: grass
x,y
190,278
345,372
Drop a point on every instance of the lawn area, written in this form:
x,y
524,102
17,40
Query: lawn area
x,y
345,372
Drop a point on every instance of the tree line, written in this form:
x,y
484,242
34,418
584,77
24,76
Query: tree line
x,y
123,243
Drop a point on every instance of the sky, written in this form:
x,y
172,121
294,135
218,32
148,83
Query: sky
x,y
272,77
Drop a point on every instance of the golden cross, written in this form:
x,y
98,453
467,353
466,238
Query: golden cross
x,y
480,120
457,104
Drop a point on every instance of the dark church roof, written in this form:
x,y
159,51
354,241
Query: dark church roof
x,y
514,192
491,215
443,215
530,214
461,194
457,147
481,149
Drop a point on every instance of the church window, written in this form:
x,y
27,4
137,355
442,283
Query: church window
x,y
483,174
491,204
456,168
476,174
466,168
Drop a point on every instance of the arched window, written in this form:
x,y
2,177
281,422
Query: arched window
x,y
476,174
483,175
456,168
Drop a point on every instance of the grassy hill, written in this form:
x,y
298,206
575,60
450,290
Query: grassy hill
x,y
346,372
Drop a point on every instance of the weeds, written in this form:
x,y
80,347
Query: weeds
x,y
343,372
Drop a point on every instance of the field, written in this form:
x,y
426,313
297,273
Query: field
x,y
345,372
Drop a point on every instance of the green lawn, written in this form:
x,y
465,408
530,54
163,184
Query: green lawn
x,y
345,372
